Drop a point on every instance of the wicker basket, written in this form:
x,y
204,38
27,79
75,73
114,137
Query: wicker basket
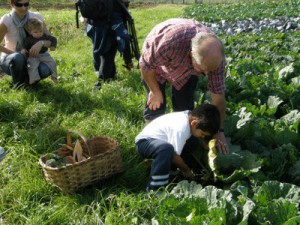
x,y
104,161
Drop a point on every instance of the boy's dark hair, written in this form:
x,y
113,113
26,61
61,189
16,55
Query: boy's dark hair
x,y
209,118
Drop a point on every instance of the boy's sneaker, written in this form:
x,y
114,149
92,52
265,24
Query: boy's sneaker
x,y
157,193
2,153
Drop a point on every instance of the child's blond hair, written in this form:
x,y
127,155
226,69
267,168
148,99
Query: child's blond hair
x,y
34,23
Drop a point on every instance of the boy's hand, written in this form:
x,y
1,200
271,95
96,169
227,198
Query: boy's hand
x,y
52,48
189,174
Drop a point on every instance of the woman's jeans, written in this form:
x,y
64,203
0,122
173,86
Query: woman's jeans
x,y
162,154
15,64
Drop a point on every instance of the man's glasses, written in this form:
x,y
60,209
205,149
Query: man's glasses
x,y
17,4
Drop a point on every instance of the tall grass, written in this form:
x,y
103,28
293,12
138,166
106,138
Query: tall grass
x,y
35,121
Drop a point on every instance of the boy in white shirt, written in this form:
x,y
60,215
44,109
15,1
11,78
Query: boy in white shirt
x,y
164,138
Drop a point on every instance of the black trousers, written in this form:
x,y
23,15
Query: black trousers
x,y
182,99
107,69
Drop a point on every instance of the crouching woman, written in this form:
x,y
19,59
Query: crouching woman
x,y
12,31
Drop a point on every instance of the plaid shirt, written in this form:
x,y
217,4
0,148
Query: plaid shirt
x,y
166,50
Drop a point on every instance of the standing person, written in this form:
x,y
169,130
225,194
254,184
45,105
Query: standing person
x,y
178,51
164,138
12,31
35,29
109,35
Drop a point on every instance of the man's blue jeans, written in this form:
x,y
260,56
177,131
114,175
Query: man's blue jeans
x,y
15,64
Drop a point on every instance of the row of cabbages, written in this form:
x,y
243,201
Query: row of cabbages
x,y
255,26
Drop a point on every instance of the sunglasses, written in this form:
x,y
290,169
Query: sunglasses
x,y
17,4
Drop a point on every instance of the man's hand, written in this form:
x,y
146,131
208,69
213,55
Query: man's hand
x,y
155,97
155,100
221,142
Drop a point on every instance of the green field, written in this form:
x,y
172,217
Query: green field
x,y
262,118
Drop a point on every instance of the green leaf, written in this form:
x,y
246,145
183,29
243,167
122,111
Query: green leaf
x,y
234,166
287,137
275,190
293,221
283,73
277,212
245,117
186,189
237,175
291,118
273,102
294,172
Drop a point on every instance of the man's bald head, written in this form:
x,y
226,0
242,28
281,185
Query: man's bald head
x,y
207,51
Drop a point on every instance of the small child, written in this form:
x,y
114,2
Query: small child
x,y
164,138
35,28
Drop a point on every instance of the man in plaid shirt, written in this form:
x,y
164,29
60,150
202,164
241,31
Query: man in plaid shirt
x,y
178,51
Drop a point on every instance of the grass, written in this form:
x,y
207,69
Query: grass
x,y
35,121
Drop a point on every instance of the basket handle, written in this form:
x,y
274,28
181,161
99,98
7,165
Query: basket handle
x,y
69,141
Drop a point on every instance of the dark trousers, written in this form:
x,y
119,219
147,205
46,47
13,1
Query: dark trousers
x,y
103,58
127,54
107,69
15,65
182,99
162,154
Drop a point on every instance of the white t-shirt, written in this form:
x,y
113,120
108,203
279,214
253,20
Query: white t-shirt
x,y
11,37
173,128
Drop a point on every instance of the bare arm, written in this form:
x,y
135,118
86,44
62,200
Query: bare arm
x,y
155,98
177,161
219,101
3,31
